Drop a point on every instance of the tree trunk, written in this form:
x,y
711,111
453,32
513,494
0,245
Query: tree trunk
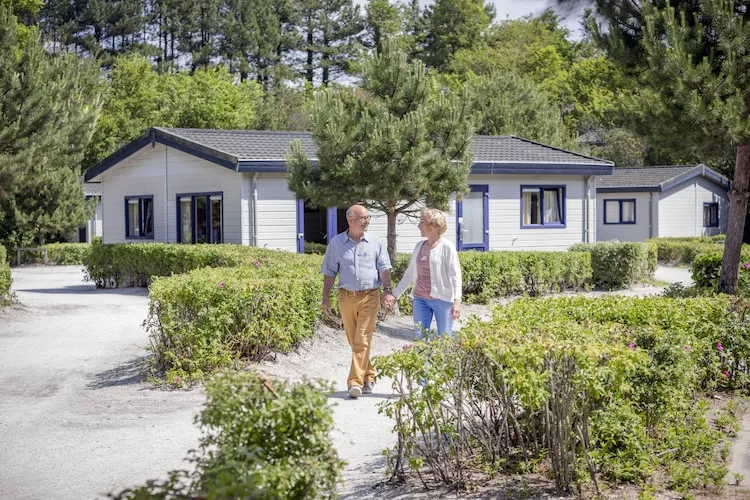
x,y
738,197
392,237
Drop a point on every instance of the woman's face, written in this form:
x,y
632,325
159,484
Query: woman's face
x,y
427,230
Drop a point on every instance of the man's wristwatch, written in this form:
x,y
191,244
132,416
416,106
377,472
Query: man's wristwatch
x,y
386,289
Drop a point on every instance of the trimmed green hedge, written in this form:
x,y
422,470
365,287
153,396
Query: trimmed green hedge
x,y
134,264
619,264
208,318
707,270
5,277
685,250
489,275
604,387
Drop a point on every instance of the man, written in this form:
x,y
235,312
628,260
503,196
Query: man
x,y
362,264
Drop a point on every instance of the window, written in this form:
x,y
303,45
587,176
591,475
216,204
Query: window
x,y
710,215
542,206
200,218
619,211
139,217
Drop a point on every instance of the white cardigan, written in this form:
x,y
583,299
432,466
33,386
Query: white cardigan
x,y
445,272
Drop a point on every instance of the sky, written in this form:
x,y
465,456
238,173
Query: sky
x,y
513,9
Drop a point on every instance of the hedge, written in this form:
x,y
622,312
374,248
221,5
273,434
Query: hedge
x,y
706,270
684,250
134,264
617,264
580,387
207,318
5,277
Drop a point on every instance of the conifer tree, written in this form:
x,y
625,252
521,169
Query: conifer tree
x,y
394,144
48,110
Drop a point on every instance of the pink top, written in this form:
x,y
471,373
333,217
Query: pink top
x,y
423,283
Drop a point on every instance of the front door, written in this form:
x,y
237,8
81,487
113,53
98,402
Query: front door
x,y
472,219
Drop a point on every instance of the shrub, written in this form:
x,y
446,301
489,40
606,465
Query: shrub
x,y
604,388
68,253
205,319
706,271
684,250
5,277
134,264
616,264
315,248
261,439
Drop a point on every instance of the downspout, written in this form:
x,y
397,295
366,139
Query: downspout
x,y
650,215
255,209
586,210
166,194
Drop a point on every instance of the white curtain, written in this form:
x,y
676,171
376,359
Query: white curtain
x,y
531,206
551,206
628,211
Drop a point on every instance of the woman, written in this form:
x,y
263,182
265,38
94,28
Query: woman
x,y
435,273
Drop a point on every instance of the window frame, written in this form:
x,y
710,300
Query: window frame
x,y
562,203
193,221
711,205
141,221
620,201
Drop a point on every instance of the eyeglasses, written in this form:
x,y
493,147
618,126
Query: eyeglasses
x,y
365,218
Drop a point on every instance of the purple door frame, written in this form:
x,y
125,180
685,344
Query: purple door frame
x,y
485,245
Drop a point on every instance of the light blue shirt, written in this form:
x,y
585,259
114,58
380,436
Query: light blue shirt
x,y
357,265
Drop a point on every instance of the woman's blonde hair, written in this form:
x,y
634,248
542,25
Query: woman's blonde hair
x,y
436,218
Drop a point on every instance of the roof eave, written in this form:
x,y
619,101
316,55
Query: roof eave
x,y
498,168
628,189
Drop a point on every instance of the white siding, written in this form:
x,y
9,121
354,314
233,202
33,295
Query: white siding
x,y
164,173
505,212
407,232
246,221
624,232
681,209
277,213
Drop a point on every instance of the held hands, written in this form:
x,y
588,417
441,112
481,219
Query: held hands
x,y
388,301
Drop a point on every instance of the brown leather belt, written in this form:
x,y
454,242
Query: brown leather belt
x,y
358,292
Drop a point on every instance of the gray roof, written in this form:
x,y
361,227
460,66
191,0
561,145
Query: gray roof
x,y
658,178
247,144
265,151
93,188
273,145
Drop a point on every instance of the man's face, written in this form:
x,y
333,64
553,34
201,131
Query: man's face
x,y
359,220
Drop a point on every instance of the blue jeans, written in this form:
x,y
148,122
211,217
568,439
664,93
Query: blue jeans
x,y
424,309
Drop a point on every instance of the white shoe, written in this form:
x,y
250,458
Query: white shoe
x,y
355,391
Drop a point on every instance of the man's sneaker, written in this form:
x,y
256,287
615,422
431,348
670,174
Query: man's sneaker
x,y
355,391
367,389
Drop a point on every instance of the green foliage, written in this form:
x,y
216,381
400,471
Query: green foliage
x,y
5,277
707,270
455,25
49,109
204,320
392,145
508,104
685,250
261,439
61,254
139,98
488,275
602,387
619,265
315,248
134,264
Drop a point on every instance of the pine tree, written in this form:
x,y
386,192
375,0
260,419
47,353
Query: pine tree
x,y
455,25
694,61
48,111
199,31
395,143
